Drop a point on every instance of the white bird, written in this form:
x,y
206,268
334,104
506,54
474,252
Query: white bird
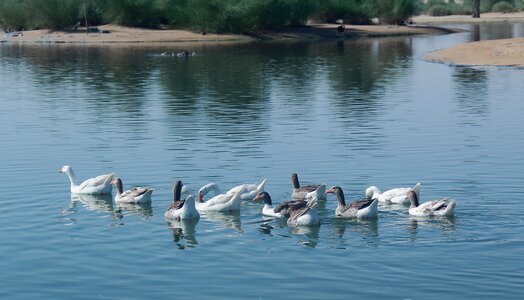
x,y
367,208
443,207
134,195
282,210
247,190
396,195
305,216
98,185
220,202
307,191
181,209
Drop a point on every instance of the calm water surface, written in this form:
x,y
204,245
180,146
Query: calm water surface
x,y
350,113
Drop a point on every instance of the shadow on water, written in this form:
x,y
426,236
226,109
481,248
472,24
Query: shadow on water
x,y
97,203
224,220
184,233
143,210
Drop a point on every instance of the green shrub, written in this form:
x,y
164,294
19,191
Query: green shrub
x,y
439,10
56,14
503,7
393,11
13,15
140,13
351,11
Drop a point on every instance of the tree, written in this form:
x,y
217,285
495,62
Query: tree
x,y
476,9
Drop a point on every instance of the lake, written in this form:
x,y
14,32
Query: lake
x,y
351,113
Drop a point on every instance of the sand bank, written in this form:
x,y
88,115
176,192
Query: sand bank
x,y
457,19
113,34
507,52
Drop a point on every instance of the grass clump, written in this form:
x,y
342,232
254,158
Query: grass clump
x,y
503,7
439,10
13,15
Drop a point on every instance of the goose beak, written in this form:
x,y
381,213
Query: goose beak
x,y
200,197
330,191
257,198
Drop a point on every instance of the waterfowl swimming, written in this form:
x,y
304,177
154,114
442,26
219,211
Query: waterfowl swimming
x,y
442,207
248,191
181,209
282,210
98,185
307,191
305,216
396,195
220,202
185,53
134,195
359,209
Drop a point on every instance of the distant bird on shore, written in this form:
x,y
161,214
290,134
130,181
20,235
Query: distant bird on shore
x,y
341,28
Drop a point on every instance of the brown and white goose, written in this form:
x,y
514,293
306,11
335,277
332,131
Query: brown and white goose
x,y
307,191
359,209
282,210
305,216
443,207
134,195
181,209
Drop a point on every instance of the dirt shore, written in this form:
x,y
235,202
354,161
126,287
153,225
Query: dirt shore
x,y
507,52
113,34
484,18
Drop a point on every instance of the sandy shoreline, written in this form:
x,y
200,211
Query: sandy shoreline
x,y
113,34
457,19
507,52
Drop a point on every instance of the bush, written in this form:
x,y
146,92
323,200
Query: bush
x,y
351,11
13,15
139,13
439,10
56,14
503,7
394,11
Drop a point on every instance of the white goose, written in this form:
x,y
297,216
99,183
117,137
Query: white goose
x,y
220,202
134,195
396,195
181,209
98,185
282,210
442,208
307,191
247,190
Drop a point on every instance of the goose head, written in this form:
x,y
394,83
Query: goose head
x,y
413,199
264,196
64,169
372,191
117,182
338,193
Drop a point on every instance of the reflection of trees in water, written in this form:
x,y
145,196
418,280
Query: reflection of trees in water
x,y
359,75
101,82
499,30
471,93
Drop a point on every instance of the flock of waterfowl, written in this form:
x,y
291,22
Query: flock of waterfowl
x,y
300,211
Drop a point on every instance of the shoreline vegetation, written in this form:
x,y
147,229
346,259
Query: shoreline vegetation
x,y
147,23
